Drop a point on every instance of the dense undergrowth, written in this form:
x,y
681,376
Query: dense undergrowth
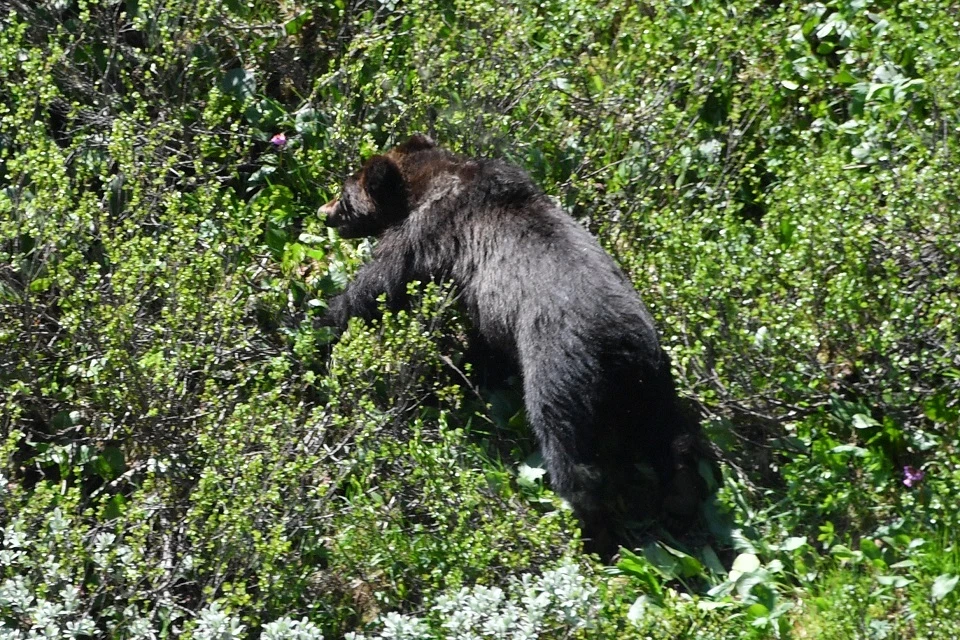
x,y
182,454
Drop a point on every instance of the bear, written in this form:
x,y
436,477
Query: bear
x,y
539,289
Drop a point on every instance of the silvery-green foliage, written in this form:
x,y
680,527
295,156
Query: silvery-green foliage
x,y
138,628
45,607
15,595
41,617
559,599
214,624
288,629
399,627
396,627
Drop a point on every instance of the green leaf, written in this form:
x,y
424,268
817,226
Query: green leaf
x,y
337,276
639,567
114,507
880,92
787,228
745,563
310,238
640,607
943,585
844,77
40,285
239,83
293,26
863,421
870,549
307,121
276,237
713,605
841,551
110,463
712,560
62,420
897,582
294,254
904,564
596,83
662,560
687,564
265,115
858,452
794,543
632,564
757,610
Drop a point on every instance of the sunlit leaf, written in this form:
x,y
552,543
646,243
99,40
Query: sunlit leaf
x,y
944,585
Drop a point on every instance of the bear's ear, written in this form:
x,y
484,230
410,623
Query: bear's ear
x,y
417,142
382,181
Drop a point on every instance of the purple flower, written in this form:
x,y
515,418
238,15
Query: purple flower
x,y
279,140
912,476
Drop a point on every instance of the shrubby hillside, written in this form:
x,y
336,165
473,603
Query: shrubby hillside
x,y
185,453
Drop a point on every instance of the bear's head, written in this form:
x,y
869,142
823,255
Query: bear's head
x,y
381,194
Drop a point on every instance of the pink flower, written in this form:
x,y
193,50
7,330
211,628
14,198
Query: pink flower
x,y
279,140
912,476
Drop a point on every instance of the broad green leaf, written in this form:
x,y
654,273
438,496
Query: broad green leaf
x,y
793,543
897,582
745,563
943,585
239,83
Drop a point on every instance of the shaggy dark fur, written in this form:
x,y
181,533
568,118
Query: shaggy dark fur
x,y
538,288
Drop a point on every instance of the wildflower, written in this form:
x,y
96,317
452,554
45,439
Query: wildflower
x,y
912,476
279,140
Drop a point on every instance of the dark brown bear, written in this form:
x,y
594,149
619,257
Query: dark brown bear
x,y
539,289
